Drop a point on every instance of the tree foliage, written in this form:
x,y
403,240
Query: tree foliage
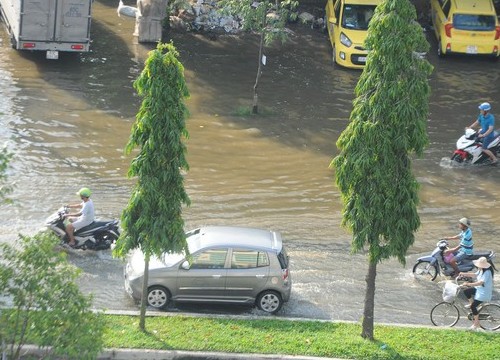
x,y
152,219
267,18
5,187
387,125
47,307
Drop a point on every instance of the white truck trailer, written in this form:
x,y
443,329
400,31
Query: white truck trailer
x,y
48,25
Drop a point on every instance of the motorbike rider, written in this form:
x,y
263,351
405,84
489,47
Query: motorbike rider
x,y
465,248
486,121
82,218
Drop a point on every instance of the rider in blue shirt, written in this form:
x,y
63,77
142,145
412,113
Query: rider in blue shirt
x,y
465,247
487,122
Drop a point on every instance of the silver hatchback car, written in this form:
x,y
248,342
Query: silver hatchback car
x,y
228,265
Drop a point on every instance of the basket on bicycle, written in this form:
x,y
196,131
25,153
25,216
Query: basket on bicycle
x,y
450,291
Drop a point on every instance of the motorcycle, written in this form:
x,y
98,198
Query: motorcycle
x,y
428,267
99,235
469,148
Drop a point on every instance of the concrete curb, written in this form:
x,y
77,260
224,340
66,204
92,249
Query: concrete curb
x,y
145,354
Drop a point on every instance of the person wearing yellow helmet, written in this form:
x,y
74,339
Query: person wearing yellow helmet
x,y
82,218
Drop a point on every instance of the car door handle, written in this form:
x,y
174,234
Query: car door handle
x,y
259,276
216,276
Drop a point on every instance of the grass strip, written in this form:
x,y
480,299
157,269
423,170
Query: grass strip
x,y
307,338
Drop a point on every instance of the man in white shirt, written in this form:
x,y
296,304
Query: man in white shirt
x,y
82,218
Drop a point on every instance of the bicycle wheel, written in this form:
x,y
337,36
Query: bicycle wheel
x,y
489,317
424,270
445,314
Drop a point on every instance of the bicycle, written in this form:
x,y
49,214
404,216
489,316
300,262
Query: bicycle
x,y
447,313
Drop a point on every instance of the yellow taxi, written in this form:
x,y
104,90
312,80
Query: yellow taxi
x,y
347,24
466,27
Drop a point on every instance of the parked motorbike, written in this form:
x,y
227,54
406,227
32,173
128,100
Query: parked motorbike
x,y
469,148
428,267
99,235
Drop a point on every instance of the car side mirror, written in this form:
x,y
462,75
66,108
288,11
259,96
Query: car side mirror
x,y
332,20
185,265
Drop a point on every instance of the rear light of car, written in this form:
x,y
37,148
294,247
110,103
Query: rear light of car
x,y
448,47
284,274
497,33
447,29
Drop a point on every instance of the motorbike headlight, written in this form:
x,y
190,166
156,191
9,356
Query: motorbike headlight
x,y
344,40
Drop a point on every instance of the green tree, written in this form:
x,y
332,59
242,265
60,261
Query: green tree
x,y
47,306
152,220
268,19
5,187
387,125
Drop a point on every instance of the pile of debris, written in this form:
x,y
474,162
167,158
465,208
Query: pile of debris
x,y
202,15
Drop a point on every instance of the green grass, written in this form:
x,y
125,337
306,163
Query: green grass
x,y
308,338
247,111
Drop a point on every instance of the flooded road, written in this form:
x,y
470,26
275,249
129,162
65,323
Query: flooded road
x,y
68,121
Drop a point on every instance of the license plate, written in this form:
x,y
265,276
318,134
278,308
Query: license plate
x,y
52,54
471,49
362,59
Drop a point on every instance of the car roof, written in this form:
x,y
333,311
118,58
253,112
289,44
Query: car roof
x,y
245,237
474,6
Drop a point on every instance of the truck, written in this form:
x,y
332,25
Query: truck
x,y
48,25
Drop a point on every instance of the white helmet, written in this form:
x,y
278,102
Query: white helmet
x,y
485,106
464,221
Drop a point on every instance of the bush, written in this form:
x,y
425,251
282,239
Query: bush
x,y
46,307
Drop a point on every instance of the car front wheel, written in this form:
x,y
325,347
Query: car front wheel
x,y
270,301
158,297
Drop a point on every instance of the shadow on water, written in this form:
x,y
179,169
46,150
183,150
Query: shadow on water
x,y
293,98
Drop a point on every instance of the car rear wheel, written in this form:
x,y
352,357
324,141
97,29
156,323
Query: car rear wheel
x,y
158,297
270,301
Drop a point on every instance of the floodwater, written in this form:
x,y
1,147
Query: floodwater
x,y
68,121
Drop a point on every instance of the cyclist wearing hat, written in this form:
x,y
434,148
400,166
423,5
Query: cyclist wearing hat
x,y
480,290
487,122
81,219
465,247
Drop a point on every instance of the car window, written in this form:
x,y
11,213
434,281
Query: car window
x,y
247,259
446,8
357,16
336,10
474,22
209,259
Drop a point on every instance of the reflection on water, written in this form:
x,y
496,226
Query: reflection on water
x,y
70,119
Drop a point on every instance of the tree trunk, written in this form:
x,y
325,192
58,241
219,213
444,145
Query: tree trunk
x,y
367,331
144,298
255,107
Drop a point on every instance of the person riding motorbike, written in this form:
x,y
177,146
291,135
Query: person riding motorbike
x,y
486,121
465,248
82,218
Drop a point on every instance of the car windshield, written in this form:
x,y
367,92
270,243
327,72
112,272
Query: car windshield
x,y
474,22
357,17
